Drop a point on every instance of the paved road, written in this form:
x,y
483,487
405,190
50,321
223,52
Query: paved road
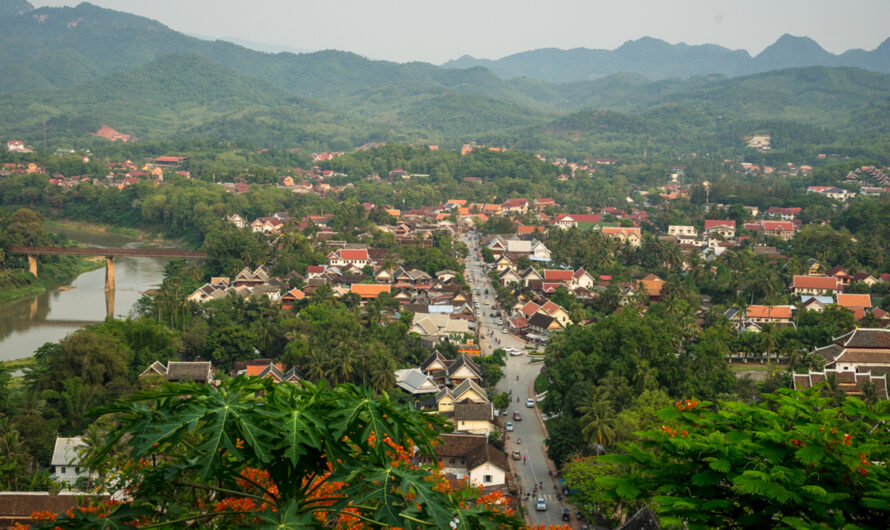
x,y
528,435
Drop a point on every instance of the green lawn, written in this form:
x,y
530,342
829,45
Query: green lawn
x,y
541,383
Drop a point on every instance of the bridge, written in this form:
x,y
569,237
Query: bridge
x,y
109,253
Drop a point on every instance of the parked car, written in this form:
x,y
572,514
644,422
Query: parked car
x,y
509,426
530,403
500,322
517,455
515,353
541,505
517,416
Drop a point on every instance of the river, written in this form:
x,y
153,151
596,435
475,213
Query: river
x,y
27,324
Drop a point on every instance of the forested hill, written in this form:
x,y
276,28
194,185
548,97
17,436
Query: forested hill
x,y
656,59
86,66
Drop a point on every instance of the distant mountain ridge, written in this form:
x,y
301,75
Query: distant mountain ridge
x,y
82,67
656,59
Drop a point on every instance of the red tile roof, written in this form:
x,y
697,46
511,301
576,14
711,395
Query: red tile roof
x,y
713,223
558,275
353,254
825,283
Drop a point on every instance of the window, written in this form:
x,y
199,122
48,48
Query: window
x,y
487,478
451,461
64,470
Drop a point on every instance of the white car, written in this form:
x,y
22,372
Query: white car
x,y
530,403
541,505
509,426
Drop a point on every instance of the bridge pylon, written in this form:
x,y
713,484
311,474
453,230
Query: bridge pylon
x,y
109,273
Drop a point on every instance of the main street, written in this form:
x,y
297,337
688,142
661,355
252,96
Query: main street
x,y
519,377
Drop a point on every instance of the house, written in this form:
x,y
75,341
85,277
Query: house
x,y
197,371
15,146
815,285
860,350
723,228
815,303
503,263
864,277
582,278
470,455
785,214
515,205
344,256
582,221
814,267
267,225
629,235
557,312
783,230
756,315
529,275
529,309
653,285
411,277
543,324
558,275
369,291
852,383
289,298
415,382
473,417
539,251
237,220
66,460
682,231
831,192
540,204
843,276
273,371
463,370
439,326
508,276
860,304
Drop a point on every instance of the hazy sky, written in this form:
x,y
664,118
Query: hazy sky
x,y
406,30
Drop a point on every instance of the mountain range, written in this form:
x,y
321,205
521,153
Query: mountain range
x,y
79,67
656,59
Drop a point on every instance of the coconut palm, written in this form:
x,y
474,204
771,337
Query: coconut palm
x,y
598,420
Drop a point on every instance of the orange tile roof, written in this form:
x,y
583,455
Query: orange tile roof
x,y
368,290
460,202
463,211
768,311
825,283
854,300
254,370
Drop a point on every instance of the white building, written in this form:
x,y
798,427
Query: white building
x,y
66,460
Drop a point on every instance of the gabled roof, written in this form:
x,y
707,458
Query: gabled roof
x,y
530,309
715,223
468,411
65,451
822,283
769,311
540,320
466,386
352,254
435,358
189,371
558,275
414,381
551,307
369,290
463,360
854,300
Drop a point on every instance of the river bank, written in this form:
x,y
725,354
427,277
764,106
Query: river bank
x,y
28,323
53,278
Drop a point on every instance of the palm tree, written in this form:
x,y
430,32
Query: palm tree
x,y
15,458
597,422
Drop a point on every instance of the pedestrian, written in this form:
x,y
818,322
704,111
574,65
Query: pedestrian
x,y
525,460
